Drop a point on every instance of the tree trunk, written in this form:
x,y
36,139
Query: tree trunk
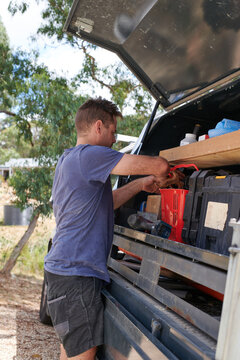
x,y
6,270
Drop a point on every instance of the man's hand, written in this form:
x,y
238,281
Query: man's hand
x,y
126,192
150,184
153,184
174,178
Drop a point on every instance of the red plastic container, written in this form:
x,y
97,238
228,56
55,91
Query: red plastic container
x,y
172,208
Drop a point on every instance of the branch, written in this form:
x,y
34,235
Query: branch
x,y
30,130
6,270
8,112
13,114
136,86
93,72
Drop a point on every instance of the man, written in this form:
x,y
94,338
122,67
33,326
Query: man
x,y
83,204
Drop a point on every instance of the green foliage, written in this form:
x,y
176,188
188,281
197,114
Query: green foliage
x,y
32,258
131,125
45,119
5,248
12,145
47,107
55,15
14,7
6,68
33,187
6,155
122,85
3,34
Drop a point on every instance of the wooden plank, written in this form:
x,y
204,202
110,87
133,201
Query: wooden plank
x,y
218,151
154,205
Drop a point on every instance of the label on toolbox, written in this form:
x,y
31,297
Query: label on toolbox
x,y
216,215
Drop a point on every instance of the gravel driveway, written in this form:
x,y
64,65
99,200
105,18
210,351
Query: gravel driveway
x,y
22,336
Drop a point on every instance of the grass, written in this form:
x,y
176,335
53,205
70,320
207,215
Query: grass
x,y
31,260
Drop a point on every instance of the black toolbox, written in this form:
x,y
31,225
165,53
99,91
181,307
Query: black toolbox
x,y
193,203
212,202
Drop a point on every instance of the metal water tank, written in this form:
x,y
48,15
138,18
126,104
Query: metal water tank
x,y
14,216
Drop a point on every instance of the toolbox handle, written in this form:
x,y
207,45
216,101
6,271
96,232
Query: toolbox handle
x,y
184,166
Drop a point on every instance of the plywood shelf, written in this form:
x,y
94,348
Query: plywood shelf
x,y
218,151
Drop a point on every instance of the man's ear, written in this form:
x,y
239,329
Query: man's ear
x,y
98,126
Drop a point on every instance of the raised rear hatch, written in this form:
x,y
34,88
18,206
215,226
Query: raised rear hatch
x,y
174,47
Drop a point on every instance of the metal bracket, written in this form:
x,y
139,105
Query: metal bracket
x,y
234,250
84,24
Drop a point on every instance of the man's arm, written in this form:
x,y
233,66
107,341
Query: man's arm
x,y
155,166
142,165
158,169
126,192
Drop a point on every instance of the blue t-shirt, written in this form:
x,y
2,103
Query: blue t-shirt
x,y
83,209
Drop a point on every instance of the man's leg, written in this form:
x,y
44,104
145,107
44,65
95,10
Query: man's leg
x,y
76,309
63,355
87,355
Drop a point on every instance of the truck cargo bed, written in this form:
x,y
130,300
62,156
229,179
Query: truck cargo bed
x,y
187,320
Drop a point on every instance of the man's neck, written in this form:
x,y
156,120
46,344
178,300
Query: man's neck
x,y
84,140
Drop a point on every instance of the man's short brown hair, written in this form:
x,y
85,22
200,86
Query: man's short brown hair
x,y
93,110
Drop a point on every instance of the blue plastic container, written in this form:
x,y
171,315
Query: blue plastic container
x,y
223,127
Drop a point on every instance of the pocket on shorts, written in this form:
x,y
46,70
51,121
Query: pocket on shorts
x,y
58,310
87,292
85,308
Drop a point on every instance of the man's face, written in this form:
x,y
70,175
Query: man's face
x,y
108,136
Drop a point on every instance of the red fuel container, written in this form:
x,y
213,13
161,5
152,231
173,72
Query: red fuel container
x,y
172,208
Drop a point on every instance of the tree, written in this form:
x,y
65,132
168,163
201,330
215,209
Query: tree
x,y
42,107
49,104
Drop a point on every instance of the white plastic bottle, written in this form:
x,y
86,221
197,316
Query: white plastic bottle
x,y
189,139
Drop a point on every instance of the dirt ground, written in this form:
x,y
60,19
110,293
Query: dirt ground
x,y
22,336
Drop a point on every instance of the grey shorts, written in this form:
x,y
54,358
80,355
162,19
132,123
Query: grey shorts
x,y
76,309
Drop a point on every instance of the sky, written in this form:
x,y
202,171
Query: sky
x,y
62,59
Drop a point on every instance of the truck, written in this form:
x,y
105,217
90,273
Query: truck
x,y
176,297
